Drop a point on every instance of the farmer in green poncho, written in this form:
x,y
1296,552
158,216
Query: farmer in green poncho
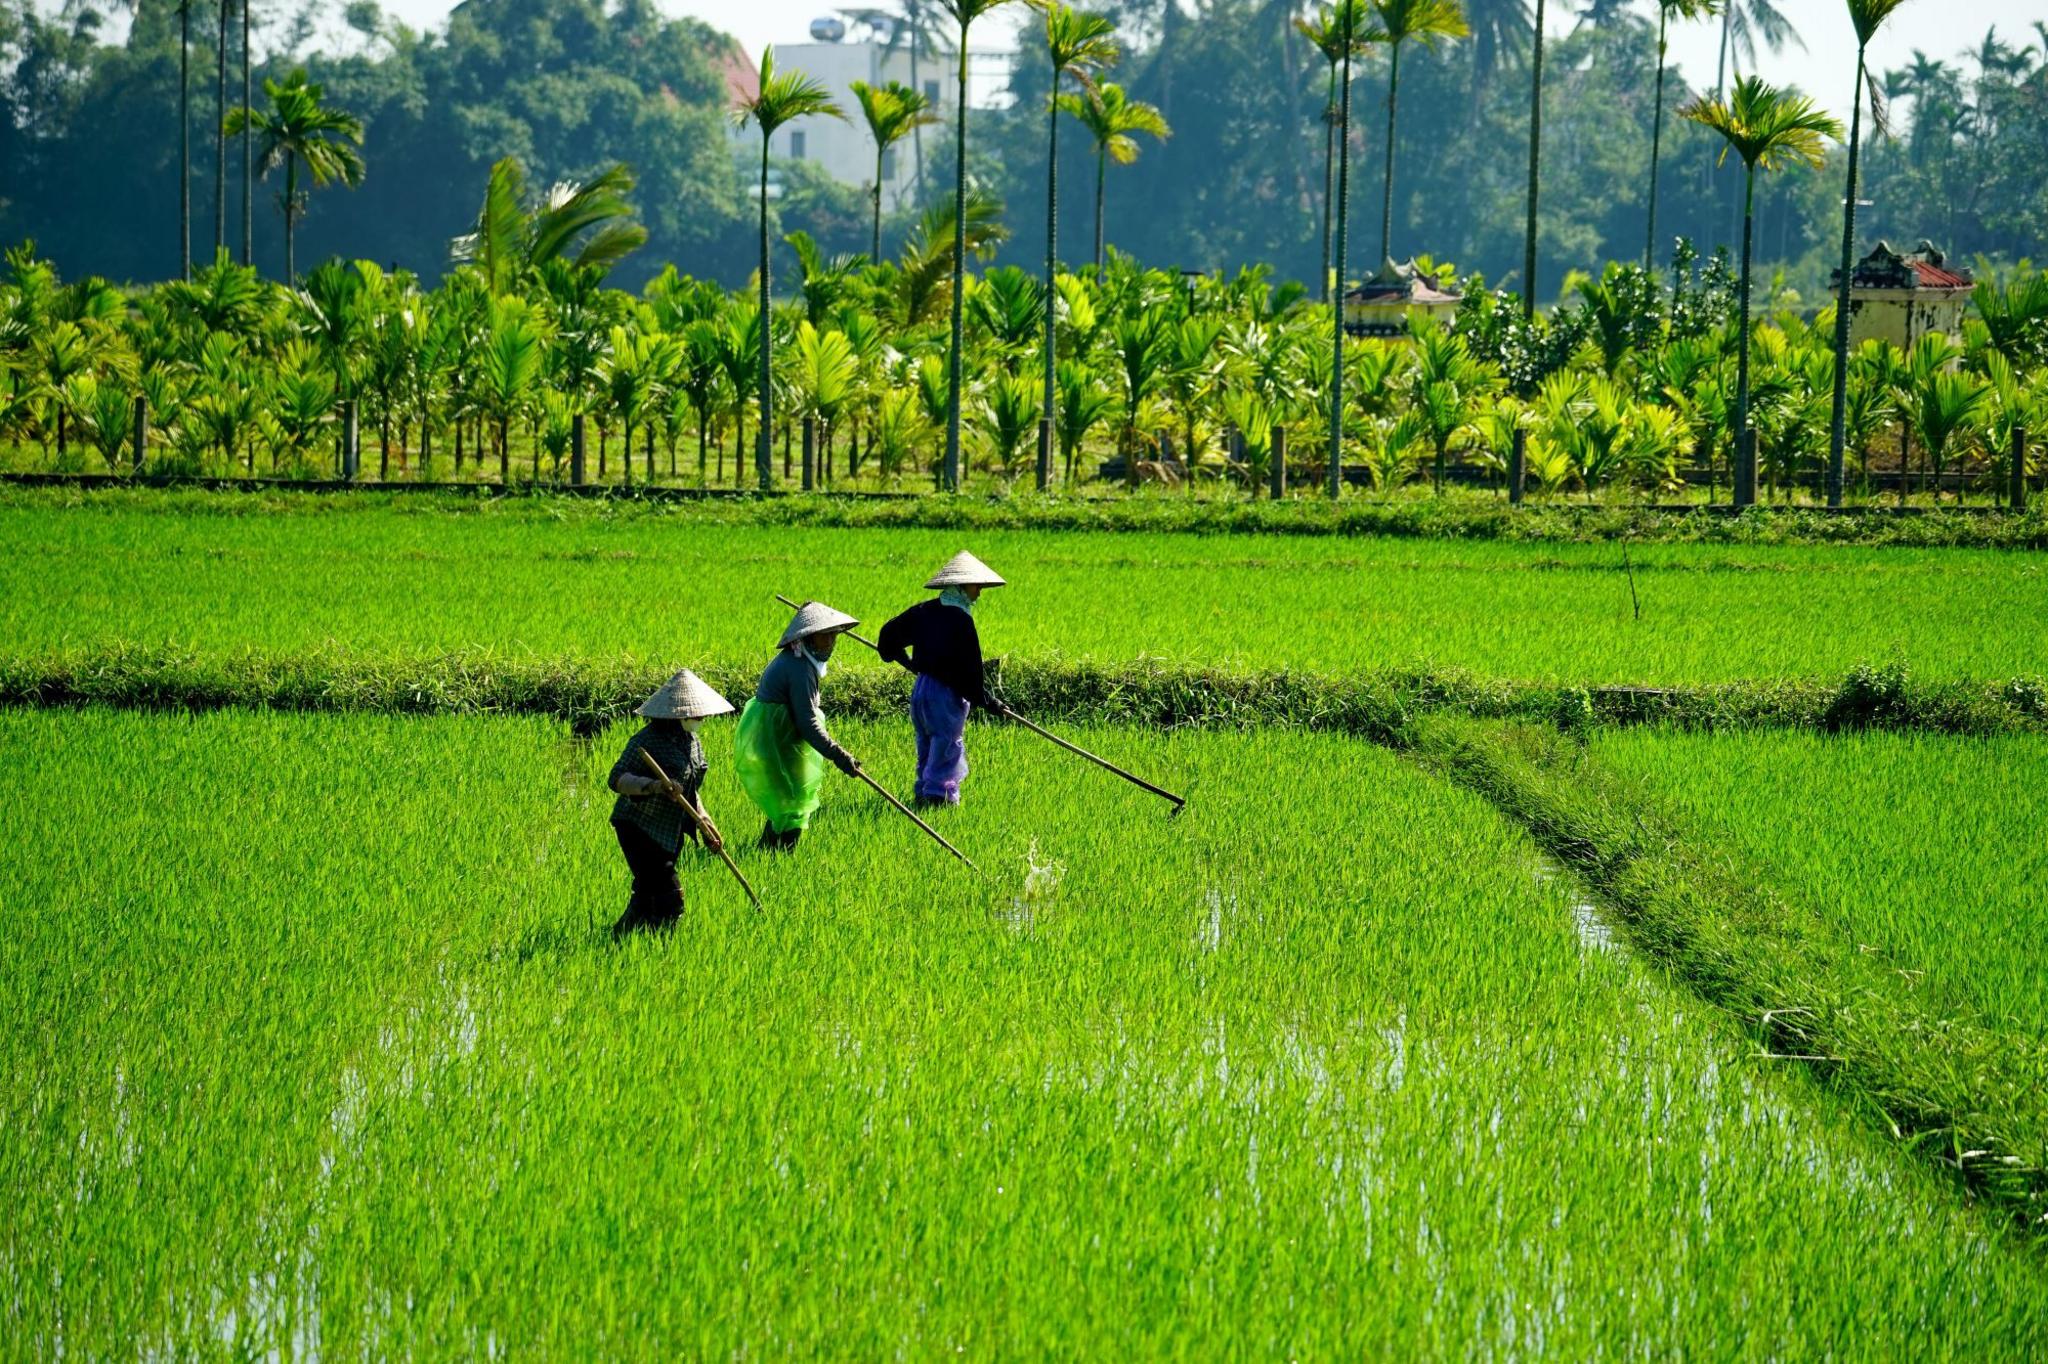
x,y
781,749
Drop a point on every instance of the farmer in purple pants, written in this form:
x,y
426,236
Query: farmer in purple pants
x,y
937,640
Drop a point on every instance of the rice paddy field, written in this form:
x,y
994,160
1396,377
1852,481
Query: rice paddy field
x,y
1467,1039
1930,849
542,579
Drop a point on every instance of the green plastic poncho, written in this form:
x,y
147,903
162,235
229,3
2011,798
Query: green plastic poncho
x,y
781,773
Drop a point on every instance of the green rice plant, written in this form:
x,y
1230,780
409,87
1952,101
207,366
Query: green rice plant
x,y
317,1046
1926,851
562,579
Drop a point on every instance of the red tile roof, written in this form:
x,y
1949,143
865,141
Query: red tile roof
x,y
1931,276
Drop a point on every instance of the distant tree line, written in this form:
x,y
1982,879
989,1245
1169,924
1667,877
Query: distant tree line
x,y
90,148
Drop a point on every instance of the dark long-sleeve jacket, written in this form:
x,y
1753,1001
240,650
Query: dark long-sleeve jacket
x,y
682,757
791,682
939,641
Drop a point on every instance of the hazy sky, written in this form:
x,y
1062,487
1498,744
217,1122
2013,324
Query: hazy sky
x,y
1939,27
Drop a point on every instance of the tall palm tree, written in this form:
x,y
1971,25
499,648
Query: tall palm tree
x,y
220,134
1426,21
782,96
1666,9
185,139
1867,16
892,111
1535,166
248,155
296,128
1111,116
964,13
588,224
1322,29
1080,42
1351,31
1767,127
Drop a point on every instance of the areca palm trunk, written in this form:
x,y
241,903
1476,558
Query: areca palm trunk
x,y
1329,168
248,154
764,470
1101,167
1336,470
1838,420
291,204
1656,144
1052,243
1387,203
220,135
1745,452
185,139
1535,165
959,275
875,250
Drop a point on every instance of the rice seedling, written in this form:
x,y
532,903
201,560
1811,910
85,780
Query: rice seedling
x,y
1930,852
677,590
319,1049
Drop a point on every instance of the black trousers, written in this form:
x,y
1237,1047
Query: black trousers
x,y
657,895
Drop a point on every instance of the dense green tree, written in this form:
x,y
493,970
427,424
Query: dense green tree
x,y
780,97
1866,16
1396,22
1080,42
963,13
299,129
892,111
1767,128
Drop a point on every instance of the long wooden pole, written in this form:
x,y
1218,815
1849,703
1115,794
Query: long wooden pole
x,y
1007,713
1098,760
673,792
911,815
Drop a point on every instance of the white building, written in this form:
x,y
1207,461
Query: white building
x,y
844,149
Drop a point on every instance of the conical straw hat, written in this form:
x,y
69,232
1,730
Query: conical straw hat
x,y
964,570
814,618
685,696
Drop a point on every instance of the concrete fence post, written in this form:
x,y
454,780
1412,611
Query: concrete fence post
x,y
2019,467
141,430
1518,466
577,447
810,454
1279,460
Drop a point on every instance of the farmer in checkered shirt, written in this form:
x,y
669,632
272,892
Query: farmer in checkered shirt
x,y
650,822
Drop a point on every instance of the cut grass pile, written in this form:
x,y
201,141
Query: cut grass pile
x,y
1932,852
555,579
319,1046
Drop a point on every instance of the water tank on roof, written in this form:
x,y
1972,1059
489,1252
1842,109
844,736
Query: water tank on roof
x,y
828,29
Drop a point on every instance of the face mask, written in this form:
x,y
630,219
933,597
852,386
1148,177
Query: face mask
x,y
822,666
957,596
693,724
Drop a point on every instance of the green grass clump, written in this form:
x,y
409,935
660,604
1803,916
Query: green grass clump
x,y
388,577
1379,705
1460,515
317,1046
1932,853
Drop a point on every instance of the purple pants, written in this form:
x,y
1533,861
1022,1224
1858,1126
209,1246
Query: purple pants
x,y
939,714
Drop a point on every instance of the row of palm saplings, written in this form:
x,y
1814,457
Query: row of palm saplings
x,y
503,362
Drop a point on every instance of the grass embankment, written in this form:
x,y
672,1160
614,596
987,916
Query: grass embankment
x,y
1377,704
1914,1052
1415,513
317,1046
1931,851
679,590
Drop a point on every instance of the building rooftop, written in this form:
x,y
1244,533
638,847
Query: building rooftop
x,y
1924,268
1396,282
